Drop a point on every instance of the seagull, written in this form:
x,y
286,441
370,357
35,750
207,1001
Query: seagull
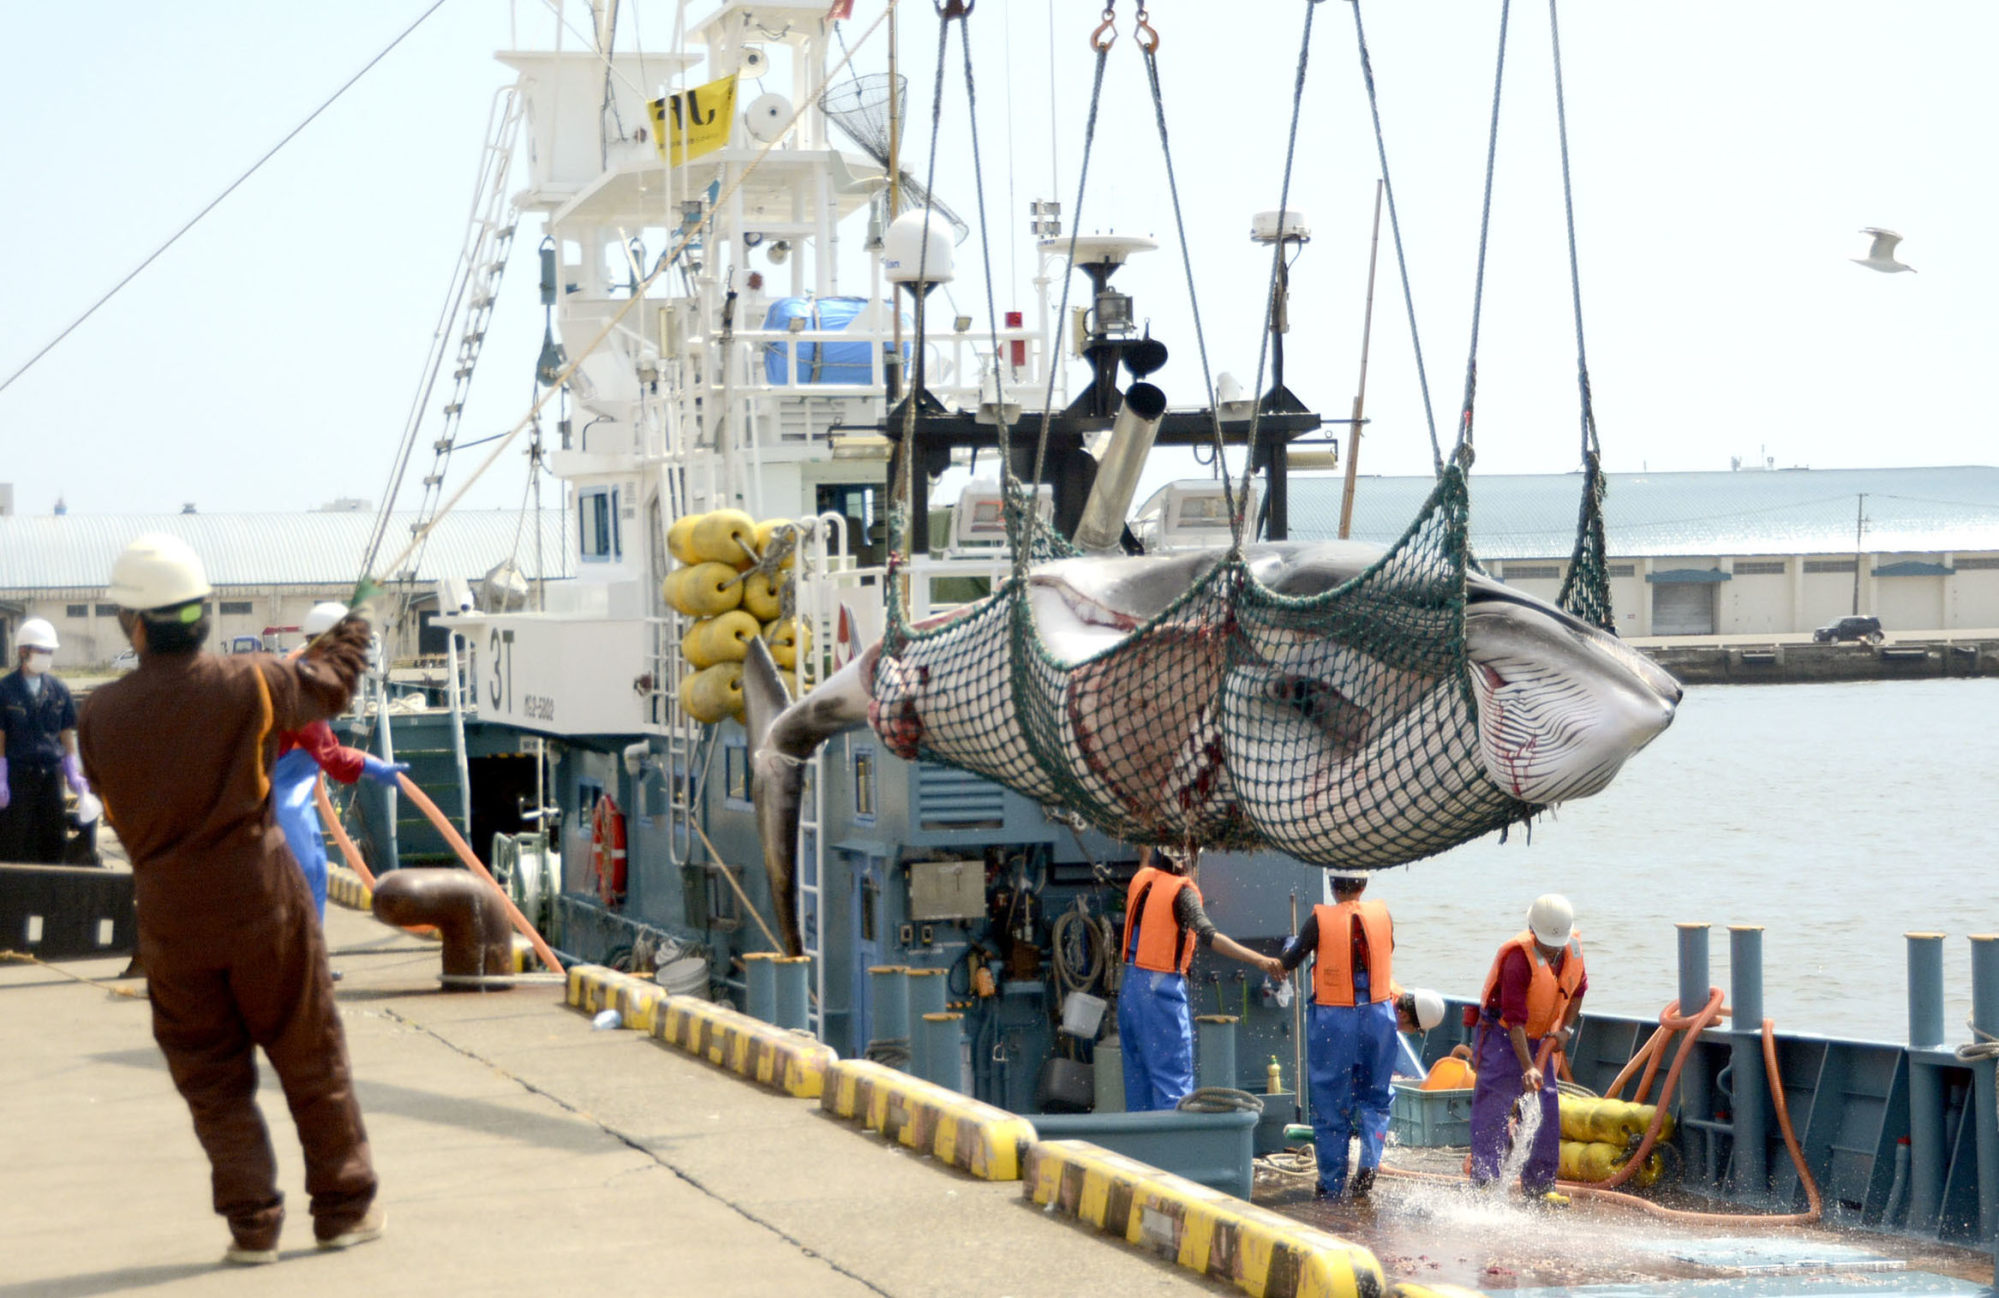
x,y
1881,256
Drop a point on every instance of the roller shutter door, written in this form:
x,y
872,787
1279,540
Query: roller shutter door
x,y
1683,608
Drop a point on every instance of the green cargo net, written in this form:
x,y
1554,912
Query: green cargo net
x,y
1338,727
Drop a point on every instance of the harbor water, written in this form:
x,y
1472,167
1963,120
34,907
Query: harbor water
x,y
1837,816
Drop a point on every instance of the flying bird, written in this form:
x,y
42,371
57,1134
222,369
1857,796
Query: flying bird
x,y
1881,256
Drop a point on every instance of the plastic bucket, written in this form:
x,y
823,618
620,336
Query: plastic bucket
x,y
1082,1014
684,977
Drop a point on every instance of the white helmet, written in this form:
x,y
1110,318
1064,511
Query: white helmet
x,y
1348,876
1428,1007
36,633
1551,919
322,616
157,571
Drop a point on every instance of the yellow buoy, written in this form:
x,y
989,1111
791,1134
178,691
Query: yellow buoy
x,y
719,537
767,532
713,693
760,597
680,539
721,639
787,638
705,590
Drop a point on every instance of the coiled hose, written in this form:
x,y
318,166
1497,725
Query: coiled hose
x,y
1220,1099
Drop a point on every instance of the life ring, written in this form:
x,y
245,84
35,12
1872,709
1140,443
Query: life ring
x,y
607,850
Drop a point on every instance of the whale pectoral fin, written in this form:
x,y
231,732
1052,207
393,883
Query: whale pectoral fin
x,y
783,737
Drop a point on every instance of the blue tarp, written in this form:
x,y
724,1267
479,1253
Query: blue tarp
x,y
817,362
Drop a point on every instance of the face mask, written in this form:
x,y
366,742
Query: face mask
x,y
38,662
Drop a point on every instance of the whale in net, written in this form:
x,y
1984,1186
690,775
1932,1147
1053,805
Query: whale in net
x,y
1330,700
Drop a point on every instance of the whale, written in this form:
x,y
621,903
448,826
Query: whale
x,y
1163,706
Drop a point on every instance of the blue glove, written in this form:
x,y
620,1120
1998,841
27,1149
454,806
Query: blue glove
x,y
6,793
382,772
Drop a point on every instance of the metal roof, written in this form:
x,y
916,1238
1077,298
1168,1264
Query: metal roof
x,y
1778,512
75,551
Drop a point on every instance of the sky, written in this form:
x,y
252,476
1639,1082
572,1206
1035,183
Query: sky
x,y
1724,157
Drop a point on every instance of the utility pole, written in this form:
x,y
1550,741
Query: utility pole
x,y
1859,524
1360,391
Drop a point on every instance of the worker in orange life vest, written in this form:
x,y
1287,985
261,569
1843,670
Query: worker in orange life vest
x,y
1351,1033
1163,918
1534,991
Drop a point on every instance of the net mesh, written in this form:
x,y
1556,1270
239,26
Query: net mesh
x,y
1337,725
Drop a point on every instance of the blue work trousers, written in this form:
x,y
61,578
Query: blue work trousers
x,y
1351,1058
293,781
1156,1035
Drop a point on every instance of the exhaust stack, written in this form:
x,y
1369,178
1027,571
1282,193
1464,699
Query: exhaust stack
x,y
1101,530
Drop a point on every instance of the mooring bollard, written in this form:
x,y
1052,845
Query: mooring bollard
x,y
940,1049
1745,1054
888,1003
760,985
1928,1154
1214,1050
1985,1018
792,998
1693,968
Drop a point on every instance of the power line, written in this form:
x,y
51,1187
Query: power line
x,y
212,203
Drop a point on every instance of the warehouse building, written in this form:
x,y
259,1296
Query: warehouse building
x,y
267,570
1754,552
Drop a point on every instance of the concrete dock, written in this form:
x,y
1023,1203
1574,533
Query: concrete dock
x,y
519,1151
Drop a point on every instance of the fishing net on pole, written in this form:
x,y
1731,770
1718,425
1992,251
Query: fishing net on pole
x,y
860,108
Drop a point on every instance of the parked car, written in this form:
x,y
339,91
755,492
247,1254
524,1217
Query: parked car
x,y
1866,629
243,644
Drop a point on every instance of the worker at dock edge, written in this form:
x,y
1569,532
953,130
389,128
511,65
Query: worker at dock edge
x,y
1527,1010
1356,1010
181,751
37,751
1162,919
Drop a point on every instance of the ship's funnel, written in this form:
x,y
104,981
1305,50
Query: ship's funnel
x,y
1102,528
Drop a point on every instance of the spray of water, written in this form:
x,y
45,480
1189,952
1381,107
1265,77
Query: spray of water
x,y
1526,1126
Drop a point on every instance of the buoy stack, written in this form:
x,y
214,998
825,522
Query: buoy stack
x,y
1598,1137
732,581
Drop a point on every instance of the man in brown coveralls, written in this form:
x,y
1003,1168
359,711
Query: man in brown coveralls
x,y
181,753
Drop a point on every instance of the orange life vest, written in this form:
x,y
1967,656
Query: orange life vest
x,y
1163,946
1332,972
1549,994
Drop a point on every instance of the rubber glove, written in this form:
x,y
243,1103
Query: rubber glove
x,y
72,770
382,772
6,793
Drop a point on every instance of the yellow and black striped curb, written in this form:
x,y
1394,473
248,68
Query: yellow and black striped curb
x,y
1220,1236
593,988
953,1128
748,1047
345,888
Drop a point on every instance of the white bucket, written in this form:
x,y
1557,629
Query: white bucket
x,y
1082,1014
684,977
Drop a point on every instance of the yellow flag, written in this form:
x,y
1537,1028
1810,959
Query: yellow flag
x,y
695,121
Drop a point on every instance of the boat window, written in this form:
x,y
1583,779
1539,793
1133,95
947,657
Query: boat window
x,y
864,782
736,773
597,525
860,503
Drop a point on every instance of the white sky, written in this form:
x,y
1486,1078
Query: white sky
x,y
1725,156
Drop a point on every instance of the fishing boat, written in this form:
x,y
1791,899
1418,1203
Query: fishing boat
x,y
742,360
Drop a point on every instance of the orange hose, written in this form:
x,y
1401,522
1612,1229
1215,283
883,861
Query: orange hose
x,y
331,820
472,863
1669,1018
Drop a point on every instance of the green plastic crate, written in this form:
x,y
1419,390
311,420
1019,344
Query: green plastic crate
x,y
1429,1119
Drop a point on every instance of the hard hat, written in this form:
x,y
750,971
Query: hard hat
x,y
1428,1007
322,616
36,633
1551,919
1349,876
157,571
